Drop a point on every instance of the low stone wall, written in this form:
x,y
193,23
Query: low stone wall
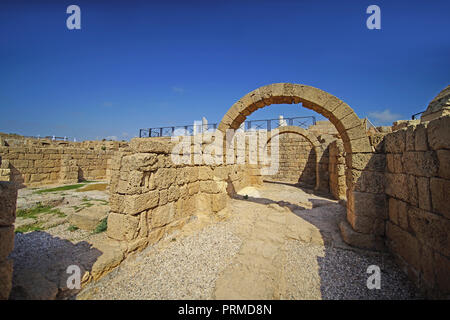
x,y
152,196
336,170
418,185
30,166
8,198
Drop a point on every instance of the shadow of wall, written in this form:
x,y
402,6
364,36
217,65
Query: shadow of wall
x,y
40,265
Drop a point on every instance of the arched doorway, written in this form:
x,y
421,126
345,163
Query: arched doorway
x,y
311,138
364,211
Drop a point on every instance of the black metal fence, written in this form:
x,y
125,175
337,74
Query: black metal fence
x,y
267,124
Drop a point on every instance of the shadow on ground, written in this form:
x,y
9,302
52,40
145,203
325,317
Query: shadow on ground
x,y
40,272
343,269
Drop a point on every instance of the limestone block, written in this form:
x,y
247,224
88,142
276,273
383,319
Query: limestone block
x,y
219,201
88,218
444,163
404,244
366,181
440,195
360,240
6,241
431,229
368,204
424,164
8,196
6,271
395,142
423,190
122,226
438,132
165,177
420,138
139,161
396,186
133,204
151,145
410,138
442,264
162,215
367,161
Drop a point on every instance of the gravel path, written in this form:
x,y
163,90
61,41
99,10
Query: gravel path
x,y
257,253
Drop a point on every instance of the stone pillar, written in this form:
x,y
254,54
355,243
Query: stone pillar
x,y
8,198
366,198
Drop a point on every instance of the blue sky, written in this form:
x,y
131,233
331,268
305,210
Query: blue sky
x,y
138,64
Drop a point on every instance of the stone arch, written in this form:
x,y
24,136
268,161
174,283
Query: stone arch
x,y
359,228
308,136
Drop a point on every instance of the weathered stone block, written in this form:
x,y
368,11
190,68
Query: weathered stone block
x,y
421,141
8,197
396,186
440,195
423,190
423,164
395,142
162,215
439,133
151,145
368,204
403,244
367,161
122,226
442,268
6,271
6,241
444,163
366,181
430,229
360,240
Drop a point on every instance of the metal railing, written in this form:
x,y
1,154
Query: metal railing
x,y
413,117
266,124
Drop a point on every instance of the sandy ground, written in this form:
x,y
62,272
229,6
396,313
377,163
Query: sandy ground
x,y
277,242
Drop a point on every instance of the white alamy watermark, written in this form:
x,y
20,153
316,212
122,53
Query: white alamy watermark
x,y
374,20
74,280
74,20
374,280
235,147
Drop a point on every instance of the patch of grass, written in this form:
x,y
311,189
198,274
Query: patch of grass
x,y
62,188
102,226
58,212
28,228
72,228
34,211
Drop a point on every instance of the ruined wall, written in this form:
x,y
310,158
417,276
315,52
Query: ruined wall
x,y
297,160
152,196
418,189
336,170
31,166
8,197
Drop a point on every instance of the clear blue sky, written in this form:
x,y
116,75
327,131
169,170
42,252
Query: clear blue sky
x,y
137,64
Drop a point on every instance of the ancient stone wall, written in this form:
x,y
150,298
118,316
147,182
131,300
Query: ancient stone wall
x,y
8,198
31,166
418,189
297,161
336,170
152,196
